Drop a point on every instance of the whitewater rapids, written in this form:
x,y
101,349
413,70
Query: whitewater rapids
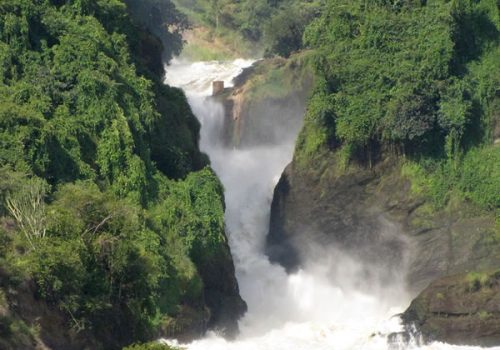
x,y
319,307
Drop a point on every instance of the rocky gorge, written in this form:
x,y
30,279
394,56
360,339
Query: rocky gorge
x,y
376,212
341,192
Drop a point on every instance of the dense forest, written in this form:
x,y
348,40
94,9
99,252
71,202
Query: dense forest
x,y
111,219
414,78
107,205
254,27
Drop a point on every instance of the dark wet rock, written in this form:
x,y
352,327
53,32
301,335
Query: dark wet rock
x,y
222,293
341,210
371,213
462,309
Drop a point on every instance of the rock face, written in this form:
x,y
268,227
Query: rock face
x,y
22,312
267,103
461,309
222,294
348,211
372,214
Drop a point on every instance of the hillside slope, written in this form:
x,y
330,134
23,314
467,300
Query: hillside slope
x,y
111,221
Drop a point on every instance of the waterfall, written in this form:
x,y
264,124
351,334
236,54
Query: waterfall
x,y
319,307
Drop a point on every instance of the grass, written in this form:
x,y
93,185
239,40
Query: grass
x,y
477,280
204,44
275,84
230,43
475,178
200,52
311,140
484,315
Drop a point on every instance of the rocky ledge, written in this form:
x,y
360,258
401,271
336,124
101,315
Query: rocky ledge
x,y
462,309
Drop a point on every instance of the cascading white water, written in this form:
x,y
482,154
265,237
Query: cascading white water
x,y
320,306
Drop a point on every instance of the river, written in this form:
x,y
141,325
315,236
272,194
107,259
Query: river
x,y
320,306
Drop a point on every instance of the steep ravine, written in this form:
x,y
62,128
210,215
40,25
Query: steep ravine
x,y
373,214
357,243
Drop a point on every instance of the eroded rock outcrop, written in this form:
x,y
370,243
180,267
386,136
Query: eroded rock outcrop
x,y
373,214
267,103
461,309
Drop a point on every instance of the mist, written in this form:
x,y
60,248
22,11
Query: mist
x,y
335,300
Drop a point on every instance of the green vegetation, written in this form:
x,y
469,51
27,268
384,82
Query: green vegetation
x,y
150,346
278,78
105,201
205,51
475,177
107,206
478,280
201,44
283,31
413,78
251,27
161,18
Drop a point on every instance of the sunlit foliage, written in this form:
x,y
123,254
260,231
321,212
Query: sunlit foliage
x,y
410,77
106,204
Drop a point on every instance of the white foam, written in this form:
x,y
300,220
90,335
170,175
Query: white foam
x,y
319,307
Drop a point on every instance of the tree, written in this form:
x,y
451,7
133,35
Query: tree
x,y
216,6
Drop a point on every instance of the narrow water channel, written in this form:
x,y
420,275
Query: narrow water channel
x,y
320,306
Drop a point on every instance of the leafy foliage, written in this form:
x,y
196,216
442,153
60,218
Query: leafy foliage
x,y
409,76
27,206
125,212
276,25
103,253
72,92
164,20
284,30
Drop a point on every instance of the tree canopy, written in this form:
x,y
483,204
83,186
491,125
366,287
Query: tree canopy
x,y
419,77
102,183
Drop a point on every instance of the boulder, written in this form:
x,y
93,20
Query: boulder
x,y
462,309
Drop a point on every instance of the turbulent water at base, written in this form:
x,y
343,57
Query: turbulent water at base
x,y
321,306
